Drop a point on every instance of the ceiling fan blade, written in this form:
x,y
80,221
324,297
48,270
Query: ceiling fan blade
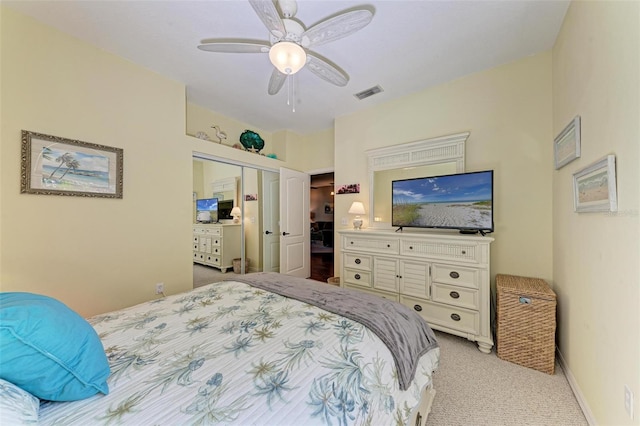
x,y
268,14
337,27
228,46
276,81
326,71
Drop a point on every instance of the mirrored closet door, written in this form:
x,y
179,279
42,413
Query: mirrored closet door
x,y
242,235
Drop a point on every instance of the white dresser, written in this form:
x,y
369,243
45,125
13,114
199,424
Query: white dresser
x,y
216,244
445,277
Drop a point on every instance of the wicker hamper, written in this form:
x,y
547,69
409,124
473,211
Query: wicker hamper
x,y
526,322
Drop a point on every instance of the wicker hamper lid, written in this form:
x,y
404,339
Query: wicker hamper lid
x,y
534,287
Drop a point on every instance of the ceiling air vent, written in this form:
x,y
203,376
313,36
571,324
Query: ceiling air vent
x,y
369,92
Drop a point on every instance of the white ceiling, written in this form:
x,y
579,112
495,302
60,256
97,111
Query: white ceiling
x,y
407,47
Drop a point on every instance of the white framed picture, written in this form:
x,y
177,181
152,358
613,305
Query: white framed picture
x,y
594,187
566,146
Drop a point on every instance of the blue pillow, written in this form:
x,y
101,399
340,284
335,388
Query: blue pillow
x,y
49,350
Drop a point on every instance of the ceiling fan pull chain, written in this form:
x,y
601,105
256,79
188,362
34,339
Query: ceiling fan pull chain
x,y
294,81
291,91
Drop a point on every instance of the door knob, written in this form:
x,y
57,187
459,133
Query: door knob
x,y
285,233
268,232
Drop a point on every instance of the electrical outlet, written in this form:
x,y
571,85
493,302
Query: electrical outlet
x,y
344,221
628,401
159,288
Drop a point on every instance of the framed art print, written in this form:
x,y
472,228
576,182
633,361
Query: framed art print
x,y
52,165
594,187
567,144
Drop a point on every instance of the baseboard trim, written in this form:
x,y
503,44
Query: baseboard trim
x,y
576,389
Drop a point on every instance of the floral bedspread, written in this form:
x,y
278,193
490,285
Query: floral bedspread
x,y
230,353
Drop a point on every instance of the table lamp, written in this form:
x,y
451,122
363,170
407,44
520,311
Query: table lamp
x,y
357,208
236,213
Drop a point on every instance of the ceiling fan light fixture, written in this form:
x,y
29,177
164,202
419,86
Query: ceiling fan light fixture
x,y
287,57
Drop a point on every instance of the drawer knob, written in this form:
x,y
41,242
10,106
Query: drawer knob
x,y
454,294
464,252
455,317
388,245
454,274
350,242
410,247
358,261
356,276
417,307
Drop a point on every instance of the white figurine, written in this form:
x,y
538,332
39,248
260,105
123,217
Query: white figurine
x,y
220,134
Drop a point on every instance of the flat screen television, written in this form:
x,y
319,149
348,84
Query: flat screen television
x,y
462,201
207,210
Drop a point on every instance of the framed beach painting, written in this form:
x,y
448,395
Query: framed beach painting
x,y
594,187
53,165
566,146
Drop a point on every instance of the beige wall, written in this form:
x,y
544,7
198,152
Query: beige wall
x,y
596,74
312,152
94,254
507,111
97,255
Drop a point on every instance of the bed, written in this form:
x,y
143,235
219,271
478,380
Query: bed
x,y
255,351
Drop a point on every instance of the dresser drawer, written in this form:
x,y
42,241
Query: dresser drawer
x,y
357,261
214,231
440,249
198,257
460,319
388,296
371,244
215,240
205,245
357,277
456,296
455,275
212,259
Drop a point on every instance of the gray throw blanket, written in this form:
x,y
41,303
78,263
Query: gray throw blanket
x,y
405,333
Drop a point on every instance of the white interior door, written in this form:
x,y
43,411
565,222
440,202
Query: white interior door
x,y
270,217
294,223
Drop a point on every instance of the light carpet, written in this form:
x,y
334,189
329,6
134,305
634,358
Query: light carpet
x,y
203,275
473,388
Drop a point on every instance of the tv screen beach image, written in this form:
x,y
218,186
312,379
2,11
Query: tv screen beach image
x,y
462,201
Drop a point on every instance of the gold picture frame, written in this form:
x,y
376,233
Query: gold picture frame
x,y
52,165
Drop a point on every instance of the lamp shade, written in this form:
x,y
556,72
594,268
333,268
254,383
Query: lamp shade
x,y
287,57
356,208
236,213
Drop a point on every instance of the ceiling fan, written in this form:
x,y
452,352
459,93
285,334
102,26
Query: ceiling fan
x,y
289,41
